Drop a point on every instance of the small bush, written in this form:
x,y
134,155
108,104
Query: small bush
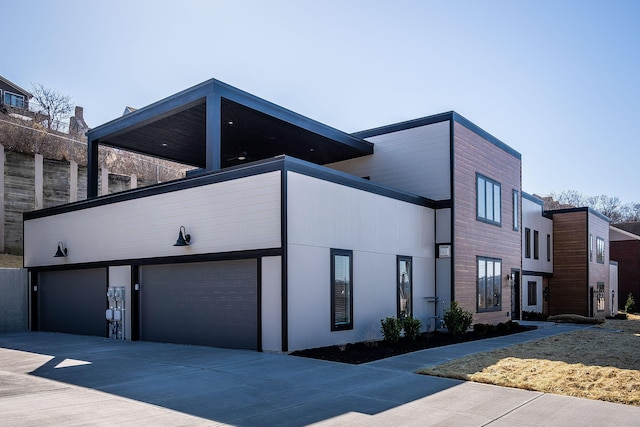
x,y
456,319
502,327
534,315
391,328
480,328
630,305
411,327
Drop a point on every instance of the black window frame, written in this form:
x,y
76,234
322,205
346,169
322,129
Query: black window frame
x,y
515,206
527,242
399,259
536,244
532,292
591,247
496,297
484,217
346,325
548,247
600,250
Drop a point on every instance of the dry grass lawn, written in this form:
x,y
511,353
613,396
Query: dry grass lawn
x,y
602,363
10,261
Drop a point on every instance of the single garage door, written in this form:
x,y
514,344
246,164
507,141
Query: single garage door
x,y
206,303
73,301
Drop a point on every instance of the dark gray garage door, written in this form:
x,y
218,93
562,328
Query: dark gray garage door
x,y
207,303
73,301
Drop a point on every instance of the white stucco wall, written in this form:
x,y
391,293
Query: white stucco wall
x,y
241,214
532,218
322,215
526,304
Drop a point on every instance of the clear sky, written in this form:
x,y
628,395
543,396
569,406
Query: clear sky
x,y
557,80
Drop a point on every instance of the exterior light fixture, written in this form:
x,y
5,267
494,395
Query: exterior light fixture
x,y
62,251
183,238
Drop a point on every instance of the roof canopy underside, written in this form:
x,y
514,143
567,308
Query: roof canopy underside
x,y
179,129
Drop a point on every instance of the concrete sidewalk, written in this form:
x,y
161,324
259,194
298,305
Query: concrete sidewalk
x,y
58,379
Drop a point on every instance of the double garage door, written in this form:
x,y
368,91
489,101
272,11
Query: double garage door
x,y
209,303
205,303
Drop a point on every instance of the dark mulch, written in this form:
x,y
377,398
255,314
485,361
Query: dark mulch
x,y
357,353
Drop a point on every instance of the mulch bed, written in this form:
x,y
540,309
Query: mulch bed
x,y
361,352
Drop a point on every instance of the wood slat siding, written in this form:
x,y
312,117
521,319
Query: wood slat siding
x,y
627,254
414,160
473,154
243,214
568,288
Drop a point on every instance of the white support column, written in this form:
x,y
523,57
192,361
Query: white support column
x,y
38,180
104,179
73,181
134,181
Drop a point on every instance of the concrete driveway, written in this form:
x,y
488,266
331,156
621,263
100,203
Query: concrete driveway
x,y
58,379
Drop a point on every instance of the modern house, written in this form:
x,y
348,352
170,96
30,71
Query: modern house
x,y
13,96
537,255
625,248
291,234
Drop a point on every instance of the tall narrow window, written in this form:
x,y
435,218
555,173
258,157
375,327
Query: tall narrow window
x,y
548,247
536,245
515,210
405,287
590,247
341,289
600,250
489,285
532,293
600,296
527,243
488,200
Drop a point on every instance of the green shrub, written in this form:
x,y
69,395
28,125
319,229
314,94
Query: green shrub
x,y
411,327
480,328
534,315
456,319
502,327
513,326
630,305
391,328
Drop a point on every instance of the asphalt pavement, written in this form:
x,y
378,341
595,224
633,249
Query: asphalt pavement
x,y
58,379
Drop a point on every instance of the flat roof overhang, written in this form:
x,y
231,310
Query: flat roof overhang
x,y
213,126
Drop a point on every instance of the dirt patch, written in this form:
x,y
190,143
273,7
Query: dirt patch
x,y
364,352
597,363
10,261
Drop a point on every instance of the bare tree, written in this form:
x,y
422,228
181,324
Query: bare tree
x,y
53,106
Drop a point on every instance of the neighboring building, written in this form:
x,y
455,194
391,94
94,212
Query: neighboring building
x,y
537,255
299,235
625,248
581,255
12,96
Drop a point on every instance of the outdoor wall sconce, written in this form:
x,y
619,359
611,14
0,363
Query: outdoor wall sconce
x,y
183,238
62,251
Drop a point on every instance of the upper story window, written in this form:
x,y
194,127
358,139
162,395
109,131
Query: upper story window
x,y
488,200
548,247
515,210
13,99
600,250
590,247
527,242
536,244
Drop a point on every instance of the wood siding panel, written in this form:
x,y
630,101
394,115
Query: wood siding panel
x,y
472,238
416,160
568,288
